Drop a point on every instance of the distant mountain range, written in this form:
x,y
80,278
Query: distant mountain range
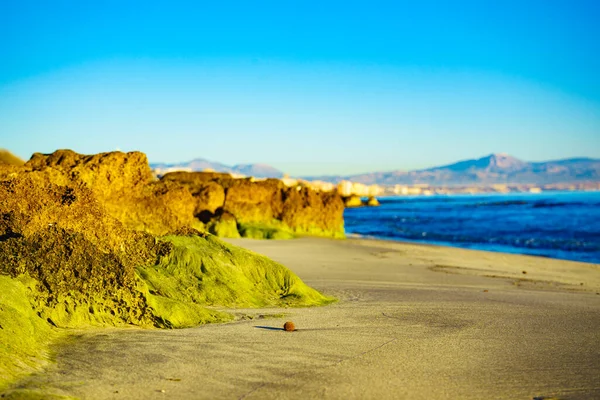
x,y
200,164
492,169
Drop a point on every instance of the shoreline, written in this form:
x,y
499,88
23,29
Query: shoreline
x,y
532,271
359,236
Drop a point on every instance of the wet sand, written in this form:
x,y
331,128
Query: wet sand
x,y
412,321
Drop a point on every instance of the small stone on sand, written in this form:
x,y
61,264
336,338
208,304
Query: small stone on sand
x,y
289,326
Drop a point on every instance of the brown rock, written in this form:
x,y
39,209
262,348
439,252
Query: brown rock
x,y
124,184
289,326
372,202
353,201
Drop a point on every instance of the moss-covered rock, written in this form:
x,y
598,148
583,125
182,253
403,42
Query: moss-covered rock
x,y
275,230
207,271
82,259
224,225
24,336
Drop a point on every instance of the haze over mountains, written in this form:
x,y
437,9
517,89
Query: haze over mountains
x,y
200,164
491,169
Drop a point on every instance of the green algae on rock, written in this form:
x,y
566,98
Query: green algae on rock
x,y
85,263
24,336
274,230
224,225
207,271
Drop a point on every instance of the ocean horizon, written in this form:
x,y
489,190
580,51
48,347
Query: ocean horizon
x,y
561,225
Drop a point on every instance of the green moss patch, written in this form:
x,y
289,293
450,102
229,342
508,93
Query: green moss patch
x,y
208,272
263,231
24,336
171,313
224,225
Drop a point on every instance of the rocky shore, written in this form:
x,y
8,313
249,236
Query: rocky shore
x,y
97,241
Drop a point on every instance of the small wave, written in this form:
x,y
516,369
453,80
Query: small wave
x,y
553,205
557,226
500,203
516,242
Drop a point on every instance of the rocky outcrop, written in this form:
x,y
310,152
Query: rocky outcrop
x,y
124,184
56,230
353,201
223,224
266,206
372,202
67,260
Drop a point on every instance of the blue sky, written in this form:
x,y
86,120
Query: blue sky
x,y
309,87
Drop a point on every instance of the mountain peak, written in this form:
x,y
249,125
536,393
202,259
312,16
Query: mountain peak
x,y
504,161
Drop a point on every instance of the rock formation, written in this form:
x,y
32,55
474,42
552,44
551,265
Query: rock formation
x,y
372,202
124,184
266,206
66,244
353,201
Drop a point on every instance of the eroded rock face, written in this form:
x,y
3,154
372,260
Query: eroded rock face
x,y
124,184
107,174
254,202
209,196
315,213
266,204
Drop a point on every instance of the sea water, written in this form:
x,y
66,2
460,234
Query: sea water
x,y
563,225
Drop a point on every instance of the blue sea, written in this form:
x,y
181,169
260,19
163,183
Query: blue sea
x,y
563,225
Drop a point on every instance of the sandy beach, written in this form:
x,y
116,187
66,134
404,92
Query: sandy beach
x,y
412,321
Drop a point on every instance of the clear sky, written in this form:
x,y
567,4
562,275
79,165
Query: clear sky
x,y
310,87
